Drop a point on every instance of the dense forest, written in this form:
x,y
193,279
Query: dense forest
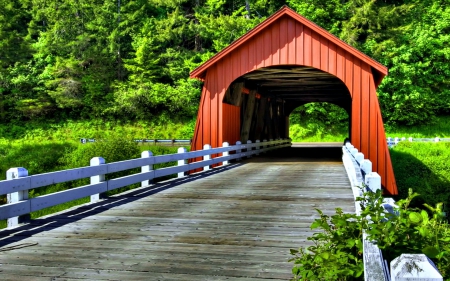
x,y
130,59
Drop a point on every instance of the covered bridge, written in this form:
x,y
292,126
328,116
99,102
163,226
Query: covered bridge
x,y
251,87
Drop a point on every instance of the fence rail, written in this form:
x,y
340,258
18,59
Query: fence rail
x,y
18,182
164,142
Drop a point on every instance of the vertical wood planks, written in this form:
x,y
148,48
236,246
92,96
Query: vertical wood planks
x,y
365,108
299,44
283,45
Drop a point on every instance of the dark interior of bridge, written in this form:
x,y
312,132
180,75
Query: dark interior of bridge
x,y
272,93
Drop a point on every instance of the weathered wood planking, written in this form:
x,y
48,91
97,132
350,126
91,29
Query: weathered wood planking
x,y
235,223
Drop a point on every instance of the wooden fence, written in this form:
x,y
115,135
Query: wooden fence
x,y
405,267
18,182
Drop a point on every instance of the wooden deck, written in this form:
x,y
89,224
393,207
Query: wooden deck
x,y
232,223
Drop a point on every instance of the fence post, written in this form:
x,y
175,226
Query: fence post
x,y
225,153
410,139
264,145
437,139
366,166
238,151
146,168
359,157
11,174
414,267
257,147
249,149
373,181
97,161
207,156
181,162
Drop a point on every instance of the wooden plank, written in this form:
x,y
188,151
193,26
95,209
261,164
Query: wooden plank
x,y
66,175
249,110
56,198
236,93
14,209
260,118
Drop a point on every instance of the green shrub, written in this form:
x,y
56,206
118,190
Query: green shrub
x,y
337,253
426,166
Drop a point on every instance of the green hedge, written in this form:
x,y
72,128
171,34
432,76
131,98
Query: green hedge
x,y
425,167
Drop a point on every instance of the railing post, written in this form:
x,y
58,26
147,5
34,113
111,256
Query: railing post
x,y
146,168
249,149
414,267
366,166
257,147
359,157
373,181
238,151
97,161
182,162
207,156
11,174
225,153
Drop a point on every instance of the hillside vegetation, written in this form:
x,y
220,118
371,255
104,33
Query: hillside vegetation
x,y
129,60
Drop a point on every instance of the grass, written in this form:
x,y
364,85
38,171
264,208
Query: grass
x,y
73,131
424,167
441,128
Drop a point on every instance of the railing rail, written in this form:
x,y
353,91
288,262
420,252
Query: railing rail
x,y
18,182
359,171
165,142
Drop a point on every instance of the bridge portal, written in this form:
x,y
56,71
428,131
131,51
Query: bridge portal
x,y
251,87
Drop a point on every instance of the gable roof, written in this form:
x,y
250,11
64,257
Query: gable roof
x,y
200,71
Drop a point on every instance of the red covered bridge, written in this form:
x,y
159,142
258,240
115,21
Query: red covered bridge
x,y
251,87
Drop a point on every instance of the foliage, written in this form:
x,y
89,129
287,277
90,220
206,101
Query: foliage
x,y
337,250
79,59
425,166
318,122
409,230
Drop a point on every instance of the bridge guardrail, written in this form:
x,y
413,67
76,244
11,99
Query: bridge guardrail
x,y
359,171
163,142
18,181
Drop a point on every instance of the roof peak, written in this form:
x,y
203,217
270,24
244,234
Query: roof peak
x,y
200,71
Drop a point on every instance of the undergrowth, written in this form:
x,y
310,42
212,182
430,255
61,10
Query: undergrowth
x,y
337,252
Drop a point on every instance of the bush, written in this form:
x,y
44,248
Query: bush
x,y
337,253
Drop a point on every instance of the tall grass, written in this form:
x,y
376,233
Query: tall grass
x,y
73,131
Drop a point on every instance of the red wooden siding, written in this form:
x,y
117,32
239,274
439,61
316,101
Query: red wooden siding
x,y
289,39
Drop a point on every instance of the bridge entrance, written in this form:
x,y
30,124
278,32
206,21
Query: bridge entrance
x,y
251,87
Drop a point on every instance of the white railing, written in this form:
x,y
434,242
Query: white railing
x,y
18,183
394,141
359,171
